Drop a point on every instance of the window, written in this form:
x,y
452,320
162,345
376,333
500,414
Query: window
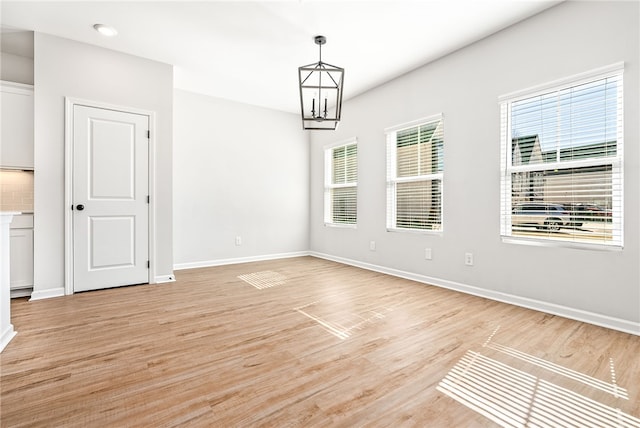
x,y
341,184
414,175
561,156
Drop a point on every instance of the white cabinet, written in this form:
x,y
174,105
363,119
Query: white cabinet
x,y
16,111
6,328
21,261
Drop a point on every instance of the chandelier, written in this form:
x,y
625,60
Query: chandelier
x,y
320,92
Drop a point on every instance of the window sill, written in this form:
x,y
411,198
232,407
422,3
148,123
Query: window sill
x,y
341,226
560,244
415,231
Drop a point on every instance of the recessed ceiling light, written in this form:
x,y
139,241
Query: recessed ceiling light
x,y
105,30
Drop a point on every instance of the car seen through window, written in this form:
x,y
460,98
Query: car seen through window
x,y
547,216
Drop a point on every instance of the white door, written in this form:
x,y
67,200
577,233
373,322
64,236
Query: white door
x,y
110,198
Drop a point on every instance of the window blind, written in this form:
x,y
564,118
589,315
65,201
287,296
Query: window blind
x,y
341,183
562,153
414,175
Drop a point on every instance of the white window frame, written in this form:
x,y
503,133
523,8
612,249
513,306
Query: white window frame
x,y
506,169
329,185
393,179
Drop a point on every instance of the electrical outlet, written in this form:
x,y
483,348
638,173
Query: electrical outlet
x,y
372,245
427,253
238,240
468,259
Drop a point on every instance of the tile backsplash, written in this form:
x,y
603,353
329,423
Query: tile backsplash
x,y
16,190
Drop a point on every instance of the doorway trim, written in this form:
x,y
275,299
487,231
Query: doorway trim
x,y
70,103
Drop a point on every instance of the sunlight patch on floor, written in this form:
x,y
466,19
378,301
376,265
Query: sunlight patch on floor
x,y
512,397
264,279
610,388
342,316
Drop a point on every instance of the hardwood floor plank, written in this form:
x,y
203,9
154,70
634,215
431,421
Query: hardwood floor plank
x,y
301,342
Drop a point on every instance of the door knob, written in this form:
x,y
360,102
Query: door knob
x,y
80,207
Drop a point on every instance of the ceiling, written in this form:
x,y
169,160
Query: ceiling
x,y
250,51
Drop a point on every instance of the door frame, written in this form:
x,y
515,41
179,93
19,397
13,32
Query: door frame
x,y
70,103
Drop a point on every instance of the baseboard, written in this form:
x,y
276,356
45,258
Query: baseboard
x,y
222,262
538,305
47,294
164,278
6,336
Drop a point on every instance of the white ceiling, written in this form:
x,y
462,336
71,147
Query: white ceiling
x,y
250,51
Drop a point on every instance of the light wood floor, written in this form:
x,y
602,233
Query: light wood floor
x,y
308,342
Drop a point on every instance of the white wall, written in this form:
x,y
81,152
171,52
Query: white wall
x,y
16,56
241,171
573,37
16,68
66,68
